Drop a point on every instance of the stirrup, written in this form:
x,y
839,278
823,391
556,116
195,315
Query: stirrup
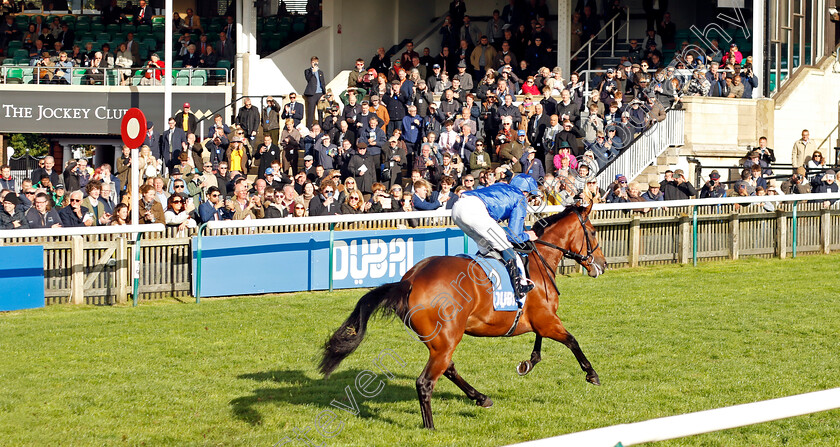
x,y
523,289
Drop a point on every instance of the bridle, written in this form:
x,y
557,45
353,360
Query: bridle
x,y
590,249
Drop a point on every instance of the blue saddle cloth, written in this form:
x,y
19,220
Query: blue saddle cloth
x,y
504,297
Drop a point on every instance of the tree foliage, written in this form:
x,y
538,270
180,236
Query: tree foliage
x,y
35,144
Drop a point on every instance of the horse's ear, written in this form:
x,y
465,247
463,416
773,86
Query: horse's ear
x,y
588,209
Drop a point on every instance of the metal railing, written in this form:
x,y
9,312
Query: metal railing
x,y
789,50
825,144
611,38
31,74
644,150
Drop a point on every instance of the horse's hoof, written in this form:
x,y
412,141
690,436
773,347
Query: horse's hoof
x,y
593,379
524,367
485,402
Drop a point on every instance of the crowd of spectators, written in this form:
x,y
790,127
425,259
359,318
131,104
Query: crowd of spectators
x,y
65,43
387,144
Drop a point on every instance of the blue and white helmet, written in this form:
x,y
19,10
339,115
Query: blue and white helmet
x,y
525,183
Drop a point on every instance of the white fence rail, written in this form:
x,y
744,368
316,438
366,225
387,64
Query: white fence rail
x,y
690,424
644,151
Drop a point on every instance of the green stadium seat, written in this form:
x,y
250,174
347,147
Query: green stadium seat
x,y
182,80
77,76
150,42
14,46
82,27
21,53
178,64
199,77
97,28
103,37
299,27
14,76
145,29
27,77
69,19
112,77
271,26
128,28
22,60
9,61
158,20
112,28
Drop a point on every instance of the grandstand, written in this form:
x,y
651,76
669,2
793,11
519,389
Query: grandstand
x,y
641,97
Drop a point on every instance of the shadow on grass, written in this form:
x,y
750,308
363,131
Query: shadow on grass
x,y
297,388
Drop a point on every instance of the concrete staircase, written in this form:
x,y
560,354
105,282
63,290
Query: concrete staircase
x,y
655,171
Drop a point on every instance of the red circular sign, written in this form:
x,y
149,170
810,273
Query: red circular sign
x,y
133,128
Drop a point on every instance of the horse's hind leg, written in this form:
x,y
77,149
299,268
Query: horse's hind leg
x,y
526,366
435,367
480,399
557,332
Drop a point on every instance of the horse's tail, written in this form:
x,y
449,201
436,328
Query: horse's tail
x,y
388,299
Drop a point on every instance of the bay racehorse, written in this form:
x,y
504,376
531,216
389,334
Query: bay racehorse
x,y
442,298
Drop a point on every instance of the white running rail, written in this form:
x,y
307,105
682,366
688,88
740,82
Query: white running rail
x,y
689,424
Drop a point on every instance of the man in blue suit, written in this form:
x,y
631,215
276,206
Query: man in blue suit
x,y
478,212
212,208
315,88
292,110
172,143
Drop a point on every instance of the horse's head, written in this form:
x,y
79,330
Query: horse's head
x,y
573,233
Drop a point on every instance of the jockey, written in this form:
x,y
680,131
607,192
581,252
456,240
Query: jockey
x,y
478,212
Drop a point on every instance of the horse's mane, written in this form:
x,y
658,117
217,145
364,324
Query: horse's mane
x,y
541,225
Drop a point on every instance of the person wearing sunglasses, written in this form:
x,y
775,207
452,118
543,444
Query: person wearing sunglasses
x,y
178,211
213,208
74,214
326,203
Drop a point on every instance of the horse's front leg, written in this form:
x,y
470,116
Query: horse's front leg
x,y
556,331
526,366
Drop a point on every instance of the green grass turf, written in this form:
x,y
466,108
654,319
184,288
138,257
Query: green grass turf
x,y
665,341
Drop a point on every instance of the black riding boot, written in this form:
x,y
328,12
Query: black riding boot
x,y
518,288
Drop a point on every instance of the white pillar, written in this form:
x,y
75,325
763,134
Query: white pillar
x,y
759,12
134,179
564,24
246,44
240,49
170,62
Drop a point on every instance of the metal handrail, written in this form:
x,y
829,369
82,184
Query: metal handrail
x,y
36,78
610,39
661,141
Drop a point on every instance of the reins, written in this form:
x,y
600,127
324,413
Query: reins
x,y
569,253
